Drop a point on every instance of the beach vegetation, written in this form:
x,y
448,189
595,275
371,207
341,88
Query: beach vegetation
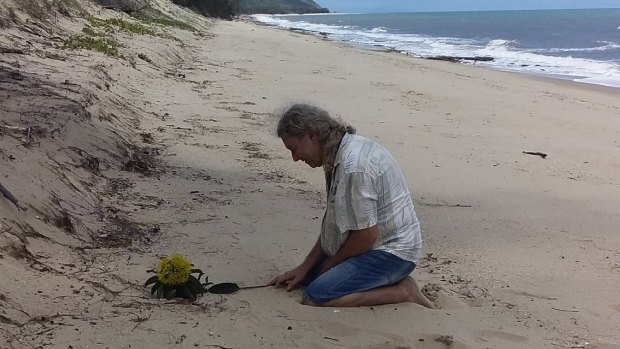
x,y
167,22
126,26
104,45
280,6
224,9
173,279
130,7
89,31
43,9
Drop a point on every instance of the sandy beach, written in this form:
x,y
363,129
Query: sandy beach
x,y
123,161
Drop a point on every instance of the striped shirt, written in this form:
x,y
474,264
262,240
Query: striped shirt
x,y
367,189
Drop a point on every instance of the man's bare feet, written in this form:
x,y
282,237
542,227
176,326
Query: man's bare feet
x,y
414,293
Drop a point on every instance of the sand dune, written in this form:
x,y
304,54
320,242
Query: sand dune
x,y
122,161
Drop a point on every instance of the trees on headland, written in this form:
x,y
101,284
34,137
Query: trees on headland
x,y
227,9
280,6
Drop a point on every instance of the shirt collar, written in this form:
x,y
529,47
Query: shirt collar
x,y
346,139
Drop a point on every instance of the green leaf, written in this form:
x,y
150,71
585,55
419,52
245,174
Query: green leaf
x,y
162,290
200,274
180,290
189,285
195,282
223,288
155,287
186,291
151,280
196,285
193,288
193,296
169,293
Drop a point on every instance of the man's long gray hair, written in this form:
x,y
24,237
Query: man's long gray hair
x,y
299,118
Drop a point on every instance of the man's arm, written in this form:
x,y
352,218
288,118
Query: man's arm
x,y
358,242
315,257
293,277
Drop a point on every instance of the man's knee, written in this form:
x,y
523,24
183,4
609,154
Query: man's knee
x,y
306,301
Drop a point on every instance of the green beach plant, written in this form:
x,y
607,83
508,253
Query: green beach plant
x,y
123,25
167,22
43,10
87,42
89,31
173,279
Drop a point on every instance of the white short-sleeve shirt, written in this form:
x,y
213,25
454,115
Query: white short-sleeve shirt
x,y
368,188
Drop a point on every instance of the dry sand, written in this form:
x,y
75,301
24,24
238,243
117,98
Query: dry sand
x,y
520,251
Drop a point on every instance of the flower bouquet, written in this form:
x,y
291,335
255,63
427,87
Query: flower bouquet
x,y
173,279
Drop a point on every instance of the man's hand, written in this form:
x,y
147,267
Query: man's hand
x,y
291,279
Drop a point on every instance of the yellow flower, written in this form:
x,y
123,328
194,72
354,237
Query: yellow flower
x,y
174,271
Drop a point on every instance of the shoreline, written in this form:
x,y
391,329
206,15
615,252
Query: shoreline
x,y
519,251
454,59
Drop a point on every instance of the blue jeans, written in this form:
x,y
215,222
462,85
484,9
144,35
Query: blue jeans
x,y
357,274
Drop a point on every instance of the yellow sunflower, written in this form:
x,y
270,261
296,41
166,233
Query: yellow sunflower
x,y
174,271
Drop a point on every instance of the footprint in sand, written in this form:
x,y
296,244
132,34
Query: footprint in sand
x,y
511,337
427,341
439,341
441,298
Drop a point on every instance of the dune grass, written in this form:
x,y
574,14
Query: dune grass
x,y
95,35
167,22
104,45
123,25
43,9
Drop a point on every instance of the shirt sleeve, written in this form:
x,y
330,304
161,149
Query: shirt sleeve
x,y
355,202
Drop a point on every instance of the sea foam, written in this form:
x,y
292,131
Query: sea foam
x,y
508,54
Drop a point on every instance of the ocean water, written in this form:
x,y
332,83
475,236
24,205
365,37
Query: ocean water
x,y
580,45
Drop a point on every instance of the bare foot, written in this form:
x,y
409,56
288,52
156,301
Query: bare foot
x,y
415,296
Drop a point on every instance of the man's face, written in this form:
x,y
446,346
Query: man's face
x,y
305,148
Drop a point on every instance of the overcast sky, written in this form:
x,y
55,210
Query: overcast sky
x,y
459,5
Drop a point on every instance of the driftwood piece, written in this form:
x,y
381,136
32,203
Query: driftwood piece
x,y
4,50
27,134
7,194
537,153
438,204
459,59
299,30
15,128
253,287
